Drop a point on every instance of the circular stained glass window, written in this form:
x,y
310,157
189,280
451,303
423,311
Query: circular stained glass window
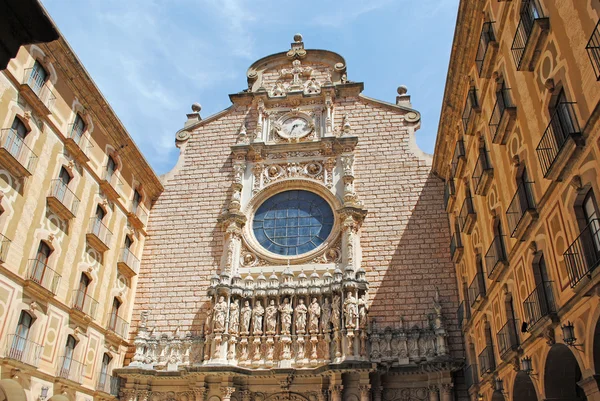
x,y
292,222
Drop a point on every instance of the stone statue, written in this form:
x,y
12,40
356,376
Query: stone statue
x,y
351,311
271,317
437,306
286,316
246,316
301,311
257,317
314,315
326,315
335,312
234,317
220,313
362,312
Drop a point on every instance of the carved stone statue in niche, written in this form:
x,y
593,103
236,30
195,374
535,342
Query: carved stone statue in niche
x,y
220,313
246,316
271,317
351,311
314,315
335,312
326,315
234,317
257,317
362,312
286,316
301,311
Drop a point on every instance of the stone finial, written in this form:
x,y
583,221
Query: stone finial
x,y
194,116
403,98
298,38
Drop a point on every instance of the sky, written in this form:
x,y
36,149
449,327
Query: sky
x,y
153,58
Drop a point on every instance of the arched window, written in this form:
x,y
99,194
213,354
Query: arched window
x,y
19,343
67,361
40,264
111,167
128,242
487,358
79,127
137,199
114,314
591,215
81,295
38,77
103,380
16,136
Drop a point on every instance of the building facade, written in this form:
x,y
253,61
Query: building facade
x,y
518,149
74,200
298,251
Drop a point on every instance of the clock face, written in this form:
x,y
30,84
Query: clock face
x,y
296,127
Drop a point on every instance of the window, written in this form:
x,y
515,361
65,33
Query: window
x,y
68,357
114,314
14,141
104,370
137,199
111,167
128,242
38,77
41,262
78,128
22,333
590,212
84,283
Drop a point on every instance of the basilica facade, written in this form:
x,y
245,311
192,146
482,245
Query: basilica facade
x,y
298,251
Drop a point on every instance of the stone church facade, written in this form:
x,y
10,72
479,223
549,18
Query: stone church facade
x,y
298,251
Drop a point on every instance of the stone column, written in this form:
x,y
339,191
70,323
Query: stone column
x,y
446,392
590,386
226,393
433,393
199,393
336,392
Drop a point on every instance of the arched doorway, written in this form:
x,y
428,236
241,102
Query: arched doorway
x,y
11,390
523,389
561,375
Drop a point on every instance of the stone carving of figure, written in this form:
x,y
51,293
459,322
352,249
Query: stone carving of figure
x,y
351,311
246,316
234,317
220,313
437,306
335,312
326,315
286,316
271,317
314,315
257,317
301,311
362,312
312,86
278,89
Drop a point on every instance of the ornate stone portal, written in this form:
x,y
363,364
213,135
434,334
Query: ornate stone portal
x,y
294,214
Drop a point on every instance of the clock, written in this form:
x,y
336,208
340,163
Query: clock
x,y
296,127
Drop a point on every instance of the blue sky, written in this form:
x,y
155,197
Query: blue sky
x,y
153,58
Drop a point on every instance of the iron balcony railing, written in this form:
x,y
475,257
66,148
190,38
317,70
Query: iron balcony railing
x,y
503,102
129,259
4,246
112,178
463,313
593,49
482,166
539,303
496,254
530,12
477,288
471,107
79,135
465,211
41,274
23,350
85,303
117,325
471,375
39,85
508,337
108,384
140,213
455,243
449,191
459,153
583,255
487,360
61,191
487,36
13,144
69,368
522,201
563,125
99,229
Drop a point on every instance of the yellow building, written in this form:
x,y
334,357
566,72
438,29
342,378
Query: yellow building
x,y
75,194
518,148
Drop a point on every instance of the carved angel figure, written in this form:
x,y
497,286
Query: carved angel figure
x,y
271,317
257,317
286,316
362,312
234,317
314,315
335,312
301,311
326,315
246,316
351,311
220,313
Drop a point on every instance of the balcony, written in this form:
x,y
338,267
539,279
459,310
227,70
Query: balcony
x,y
458,159
539,304
467,216
487,360
98,235
117,325
36,92
128,264
84,304
495,258
483,173
62,200
560,140
456,247
476,290
449,195
111,185
521,212
531,32
69,369
42,278
78,144
471,112
593,49
487,50
138,218
108,384
471,375
4,246
508,339
503,117
15,156
463,313
583,255
23,350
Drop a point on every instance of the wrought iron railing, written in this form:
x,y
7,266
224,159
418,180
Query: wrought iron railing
x,y
522,201
23,350
495,255
79,135
471,107
61,191
449,190
583,255
99,229
487,36
530,12
69,368
140,213
477,288
503,102
108,384
465,211
563,125
117,325
487,360
129,259
85,303
508,337
39,85
459,153
13,144
539,303
4,246
471,375
593,49
482,166
40,273
112,178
